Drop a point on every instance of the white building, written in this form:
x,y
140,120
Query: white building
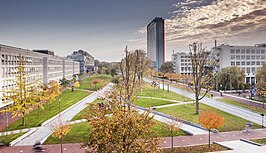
x,y
248,58
40,66
182,63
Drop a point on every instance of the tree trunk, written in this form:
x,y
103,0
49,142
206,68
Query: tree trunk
x,y
197,105
209,138
23,120
172,142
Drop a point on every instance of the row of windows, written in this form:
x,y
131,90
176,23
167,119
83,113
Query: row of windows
x,y
185,64
237,63
248,57
14,60
247,51
186,68
13,71
185,60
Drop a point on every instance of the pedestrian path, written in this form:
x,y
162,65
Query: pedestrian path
x,y
231,109
161,99
43,132
239,146
169,105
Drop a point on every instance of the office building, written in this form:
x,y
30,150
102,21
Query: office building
x,y
42,66
248,58
85,59
155,42
181,62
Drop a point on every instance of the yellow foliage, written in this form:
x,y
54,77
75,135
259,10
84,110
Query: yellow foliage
x,y
211,120
76,84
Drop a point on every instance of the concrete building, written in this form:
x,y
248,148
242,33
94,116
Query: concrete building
x,y
85,59
155,42
181,62
248,58
39,66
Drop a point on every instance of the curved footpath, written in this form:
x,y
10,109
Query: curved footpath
x,y
231,109
43,132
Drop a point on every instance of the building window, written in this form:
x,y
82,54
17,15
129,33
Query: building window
x,y
232,51
232,63
253,69
258,51
248,69
237,51
253,63
243,63
262,56
242,51
248,62
262,51
232,56
243,56
253,57
238,57
237,63
258,63
253,51
248,51
258,57
248,57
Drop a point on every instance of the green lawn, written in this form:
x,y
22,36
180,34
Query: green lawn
x,y
256,109
9,138
79,132
187,112
82,113
33,119
86,82
149,91
260,141
147,102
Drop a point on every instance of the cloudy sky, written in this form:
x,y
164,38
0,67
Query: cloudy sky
x,y
105,27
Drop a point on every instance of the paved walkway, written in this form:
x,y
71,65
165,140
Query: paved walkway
x,y
169,105
43,132
161,99
240,146
178,142
231,109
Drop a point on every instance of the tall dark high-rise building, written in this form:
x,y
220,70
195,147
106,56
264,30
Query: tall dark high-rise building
x,y
155,42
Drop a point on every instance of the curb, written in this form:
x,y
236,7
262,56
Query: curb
x,y
251,142
22,137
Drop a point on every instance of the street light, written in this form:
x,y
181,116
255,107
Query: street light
x,y
59,107
230,82
262,117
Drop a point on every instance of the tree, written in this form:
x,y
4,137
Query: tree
x,y
231,78
173,128
210,120
167,67
75,85
124,131
95,82
50,92
23,96
64,82
202,71
261,74
60,130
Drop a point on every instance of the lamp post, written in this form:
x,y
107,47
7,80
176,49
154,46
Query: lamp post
x,y
163,84
230,82
262,118
59,106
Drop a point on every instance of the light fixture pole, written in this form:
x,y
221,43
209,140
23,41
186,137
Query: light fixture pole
x,y
262,118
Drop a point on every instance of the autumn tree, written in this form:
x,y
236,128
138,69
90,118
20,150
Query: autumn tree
x,y
124,131
173,129
60,130
76,85
202,71
210,120
23,96
95,82
50,92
